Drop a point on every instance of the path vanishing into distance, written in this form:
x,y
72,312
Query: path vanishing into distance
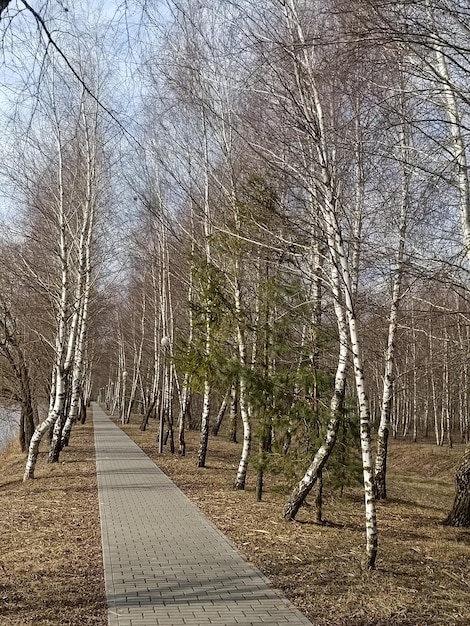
x,y
165,562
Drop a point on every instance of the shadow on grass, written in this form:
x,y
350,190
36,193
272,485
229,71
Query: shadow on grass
x,y
411,504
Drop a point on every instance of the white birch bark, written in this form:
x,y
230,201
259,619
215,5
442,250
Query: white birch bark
x,y
240,479
156,345
206,403
458,145
44,426
122,375
65,335
380,467
313,113
221,414
116,392
460,156
339,257
76,387
313,472
186,386
64,370
171,370
138,348
433,386
84,271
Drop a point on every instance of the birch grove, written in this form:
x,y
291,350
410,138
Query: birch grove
x,y
263,234
74,280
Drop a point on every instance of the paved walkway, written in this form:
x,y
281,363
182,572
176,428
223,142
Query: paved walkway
x,y
165,563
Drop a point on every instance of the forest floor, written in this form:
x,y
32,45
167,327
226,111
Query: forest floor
x,y
51,564
423,569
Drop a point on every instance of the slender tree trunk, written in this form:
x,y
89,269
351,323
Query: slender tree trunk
x,y
319,499
169,406
82,415
446,390
153,399
186,388
148,412
220,415
137,360
45,425
433,385
183,416
204,437
414,375
380,468
303,488
240,479
233,413
206,402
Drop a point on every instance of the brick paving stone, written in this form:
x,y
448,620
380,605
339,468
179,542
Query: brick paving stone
x,y
165,563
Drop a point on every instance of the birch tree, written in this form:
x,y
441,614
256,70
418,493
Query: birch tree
x,y
67,199
380,468
92,157
319,179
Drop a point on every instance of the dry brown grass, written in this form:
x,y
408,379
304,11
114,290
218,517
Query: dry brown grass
x,y
51,570
51,565
423,573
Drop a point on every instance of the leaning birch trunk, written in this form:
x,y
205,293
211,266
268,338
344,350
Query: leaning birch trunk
x,y
313,473
220,415
77,375
45,425
74,359
380,467
83,286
